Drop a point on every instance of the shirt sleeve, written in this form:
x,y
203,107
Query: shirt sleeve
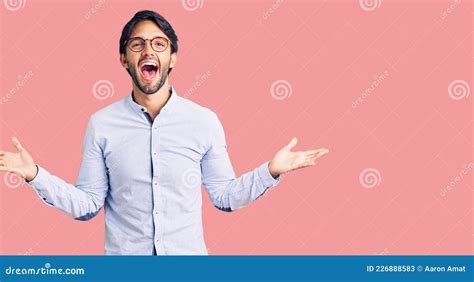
x,y
227,192
84,200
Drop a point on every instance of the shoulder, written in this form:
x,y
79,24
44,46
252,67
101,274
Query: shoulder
x,y
109,112
197,112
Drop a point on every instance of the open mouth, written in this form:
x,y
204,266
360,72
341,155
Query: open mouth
x,y
149,70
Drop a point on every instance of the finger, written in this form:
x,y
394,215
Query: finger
x,y
316,157
312,158
2,153
319,153
312,152
2,163
17,144
315,151
292,143
306,164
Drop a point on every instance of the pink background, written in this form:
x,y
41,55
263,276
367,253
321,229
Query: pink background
x,y
412,130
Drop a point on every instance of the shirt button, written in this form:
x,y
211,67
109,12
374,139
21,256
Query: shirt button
x,y
154,153
156,212
156,183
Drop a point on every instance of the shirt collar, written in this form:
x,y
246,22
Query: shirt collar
x,y
168,107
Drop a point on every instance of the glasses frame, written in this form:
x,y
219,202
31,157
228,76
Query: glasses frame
x,y
151,40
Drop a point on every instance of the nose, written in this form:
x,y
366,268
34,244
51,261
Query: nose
x,y
147,49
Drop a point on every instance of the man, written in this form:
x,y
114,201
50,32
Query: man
x,y
144,157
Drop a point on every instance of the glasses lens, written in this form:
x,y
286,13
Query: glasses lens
x,y
136,44
159,44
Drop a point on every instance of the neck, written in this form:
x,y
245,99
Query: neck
x,y
152,102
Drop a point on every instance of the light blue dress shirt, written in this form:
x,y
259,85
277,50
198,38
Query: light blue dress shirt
x,y
147,174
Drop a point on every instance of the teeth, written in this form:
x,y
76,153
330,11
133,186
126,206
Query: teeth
x,y
149,64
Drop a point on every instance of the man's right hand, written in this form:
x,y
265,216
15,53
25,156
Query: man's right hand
x,y
21,163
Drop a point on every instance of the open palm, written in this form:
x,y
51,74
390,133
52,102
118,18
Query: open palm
x,y
20,162
285,160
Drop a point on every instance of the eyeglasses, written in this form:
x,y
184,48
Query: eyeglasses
x,y
158,44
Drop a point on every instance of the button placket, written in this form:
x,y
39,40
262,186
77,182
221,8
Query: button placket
x,y
155,145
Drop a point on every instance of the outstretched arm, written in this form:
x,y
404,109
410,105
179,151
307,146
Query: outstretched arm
x,y
229,193
82,201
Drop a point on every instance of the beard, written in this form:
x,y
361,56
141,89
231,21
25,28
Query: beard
x,y
148,88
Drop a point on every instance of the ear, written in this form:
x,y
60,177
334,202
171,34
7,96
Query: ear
x,y
123,61
173,60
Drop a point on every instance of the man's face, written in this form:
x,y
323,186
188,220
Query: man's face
x,y
148,68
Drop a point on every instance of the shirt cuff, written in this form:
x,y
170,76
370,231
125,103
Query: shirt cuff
x,y
38,182
266,177
38,177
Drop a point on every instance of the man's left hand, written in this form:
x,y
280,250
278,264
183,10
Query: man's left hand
x,y
285,160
